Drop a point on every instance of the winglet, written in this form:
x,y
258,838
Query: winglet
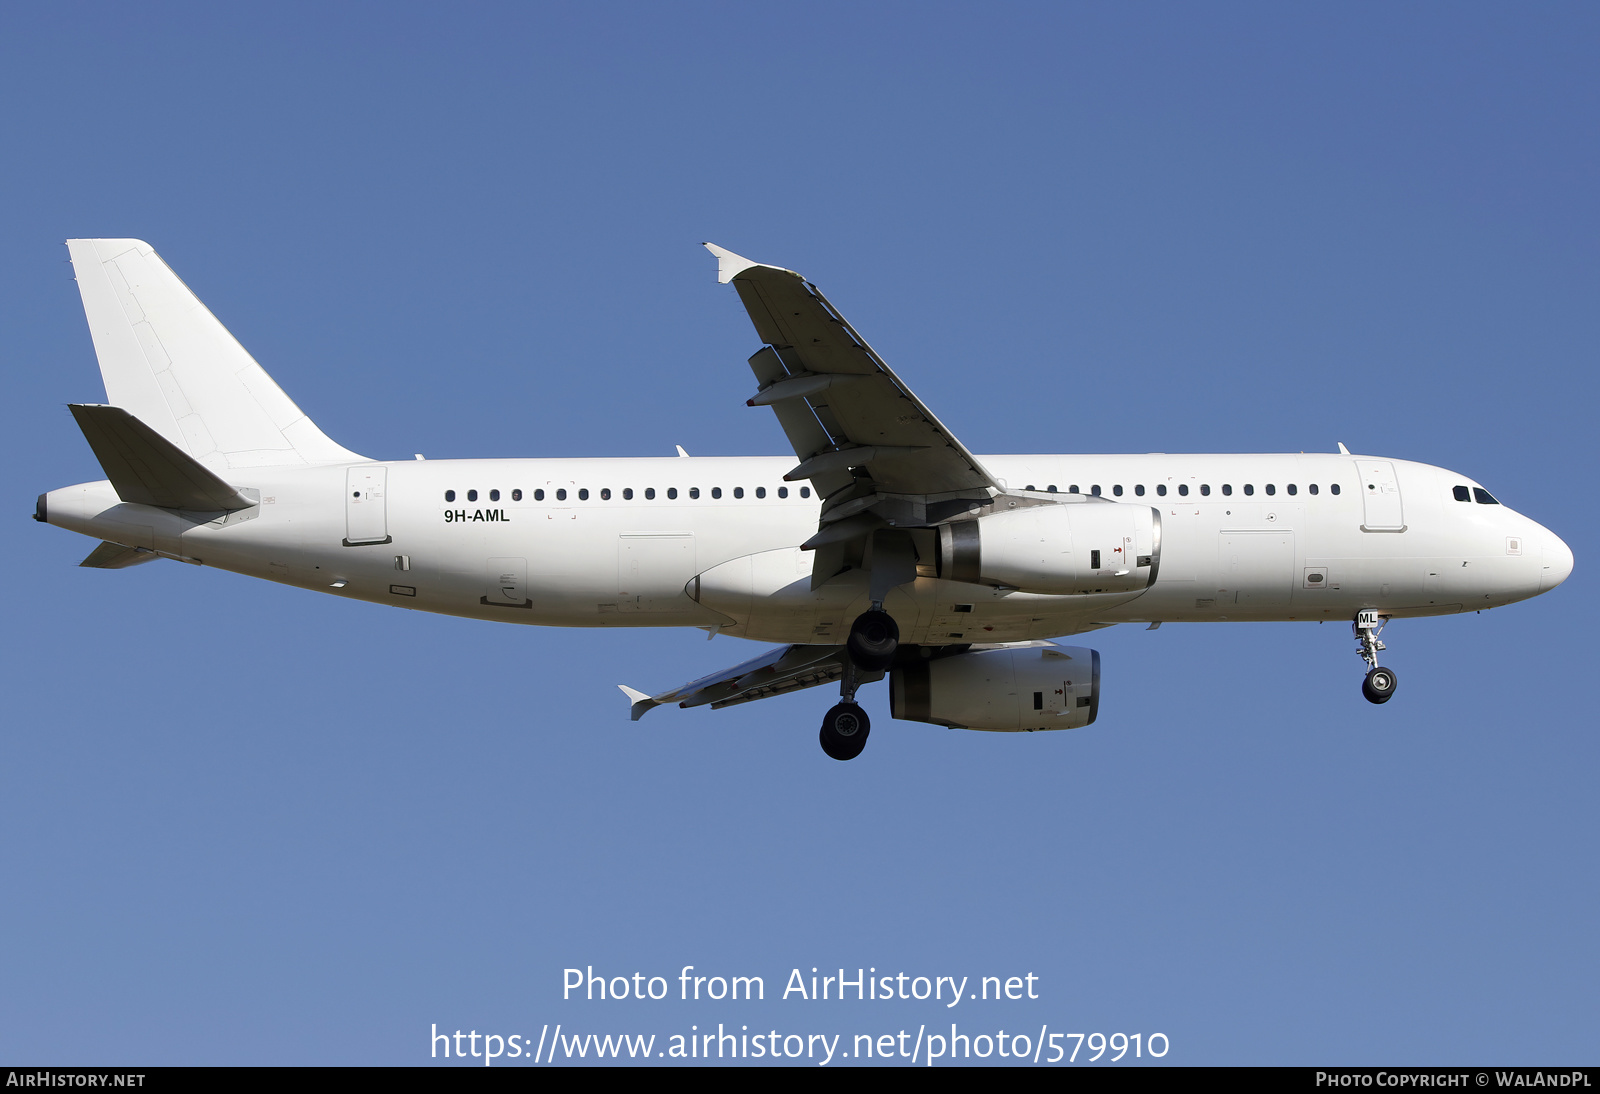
x,y
642,703
1343,451
730,265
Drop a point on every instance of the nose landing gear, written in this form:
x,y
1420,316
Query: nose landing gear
x,y
1380,683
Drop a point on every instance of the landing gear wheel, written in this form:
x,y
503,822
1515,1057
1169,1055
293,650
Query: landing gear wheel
x,y
844,731
874,637
1379,685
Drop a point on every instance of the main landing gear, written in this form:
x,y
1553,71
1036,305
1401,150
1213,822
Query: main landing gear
x,y
844,731
874,638
1380,683
845,727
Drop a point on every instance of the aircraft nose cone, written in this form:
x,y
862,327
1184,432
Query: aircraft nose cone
x,y
1557,563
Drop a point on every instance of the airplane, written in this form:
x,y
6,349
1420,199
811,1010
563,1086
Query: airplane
x,y
883,548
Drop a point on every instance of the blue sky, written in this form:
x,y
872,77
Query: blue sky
x,y
240,823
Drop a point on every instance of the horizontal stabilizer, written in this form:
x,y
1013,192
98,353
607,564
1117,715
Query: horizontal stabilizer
x,y
114,556
147,469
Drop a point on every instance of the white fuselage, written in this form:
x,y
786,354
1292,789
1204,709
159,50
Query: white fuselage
x,y
1267,539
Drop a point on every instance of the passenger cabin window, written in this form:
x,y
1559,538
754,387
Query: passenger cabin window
x,y
1312,488
694,492
1117,490
716,491
1073,489
1205,490
1483,496
1462,493
761,491
1249,490
783,491
494,495
1183,490
1162,490
516,495
805,491
1333,488
1271,490
1095,490
450,495
649,493
538,495
672,493
1292,489
472,495
561,495
583,494
1051,488
1138,491
1227,490
738,491
605,493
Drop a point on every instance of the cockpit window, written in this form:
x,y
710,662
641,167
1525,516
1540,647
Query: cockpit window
x,y
1462,493
1483,496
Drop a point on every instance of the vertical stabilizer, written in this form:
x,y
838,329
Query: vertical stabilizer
x,y
167,361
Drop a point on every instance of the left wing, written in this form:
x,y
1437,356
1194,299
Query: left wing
x,y
862,415
786,668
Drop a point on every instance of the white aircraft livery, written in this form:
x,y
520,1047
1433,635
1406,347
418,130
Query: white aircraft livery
x,y
884,548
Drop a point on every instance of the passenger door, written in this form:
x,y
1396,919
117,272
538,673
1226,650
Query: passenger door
x,y
1380,495
366,518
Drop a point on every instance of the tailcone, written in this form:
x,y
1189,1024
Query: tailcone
x,y
41,509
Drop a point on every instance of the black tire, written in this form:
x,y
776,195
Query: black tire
x,y
874,637
1379,685
844,731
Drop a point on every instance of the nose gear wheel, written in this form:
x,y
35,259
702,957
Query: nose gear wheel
x,y
1380,683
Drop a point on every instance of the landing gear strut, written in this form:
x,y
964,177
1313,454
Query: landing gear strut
x,y
1380,683
845,727
870,649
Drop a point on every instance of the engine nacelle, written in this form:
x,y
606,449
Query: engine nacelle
x,y
1067,548
1048,687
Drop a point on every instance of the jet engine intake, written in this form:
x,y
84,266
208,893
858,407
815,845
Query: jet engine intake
x,y
1028,688
1106,547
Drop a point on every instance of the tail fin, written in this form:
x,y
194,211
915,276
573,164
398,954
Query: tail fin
x,y
167,361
